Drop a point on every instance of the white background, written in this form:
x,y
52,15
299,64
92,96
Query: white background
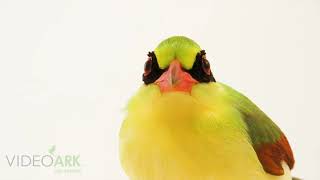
x,y
68,67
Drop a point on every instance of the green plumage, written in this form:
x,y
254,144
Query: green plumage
x,y
261,128
177,47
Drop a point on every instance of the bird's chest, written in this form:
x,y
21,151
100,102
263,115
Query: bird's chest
x,y
187,144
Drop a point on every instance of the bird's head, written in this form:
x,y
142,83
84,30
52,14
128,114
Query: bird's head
x,y
177,64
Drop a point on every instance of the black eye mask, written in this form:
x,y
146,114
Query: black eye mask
x,y
152,70
200,70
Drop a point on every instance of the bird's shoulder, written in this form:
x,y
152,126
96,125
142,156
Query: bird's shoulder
x,y
269,142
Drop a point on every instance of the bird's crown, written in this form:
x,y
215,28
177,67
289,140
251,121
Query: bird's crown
x,y
177,47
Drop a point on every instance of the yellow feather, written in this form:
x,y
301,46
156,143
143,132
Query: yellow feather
x,y
181,136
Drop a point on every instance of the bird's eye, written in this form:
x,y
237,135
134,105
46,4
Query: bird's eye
x,y
201,70
147,67
206,65
152,70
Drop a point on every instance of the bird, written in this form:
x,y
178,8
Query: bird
x,y
182,124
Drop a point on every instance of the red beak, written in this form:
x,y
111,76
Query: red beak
x,y
175,79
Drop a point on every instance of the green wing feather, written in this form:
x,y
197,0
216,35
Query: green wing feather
x,y
267,139
261,127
